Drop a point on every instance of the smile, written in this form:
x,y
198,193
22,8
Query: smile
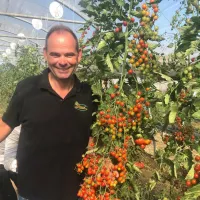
x,y
64,68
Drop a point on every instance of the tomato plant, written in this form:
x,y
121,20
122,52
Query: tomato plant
x,y
28,61
134,109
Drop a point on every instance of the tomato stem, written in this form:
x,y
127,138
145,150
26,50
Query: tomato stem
x,y
123,73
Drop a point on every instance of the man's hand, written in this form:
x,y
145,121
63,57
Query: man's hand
x,y
5,130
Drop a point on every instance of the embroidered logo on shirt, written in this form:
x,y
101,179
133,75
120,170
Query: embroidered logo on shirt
x,y
81,107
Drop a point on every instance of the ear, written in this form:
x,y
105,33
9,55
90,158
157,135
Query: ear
x,y
45,53
79,55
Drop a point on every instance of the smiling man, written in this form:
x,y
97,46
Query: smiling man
x,y
54,130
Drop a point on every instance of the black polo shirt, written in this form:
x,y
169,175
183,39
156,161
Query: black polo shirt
x,y
53,137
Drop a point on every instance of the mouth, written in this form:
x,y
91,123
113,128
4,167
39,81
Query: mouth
x,y
64,68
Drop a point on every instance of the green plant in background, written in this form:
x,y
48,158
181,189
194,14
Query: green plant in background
x,y
28,62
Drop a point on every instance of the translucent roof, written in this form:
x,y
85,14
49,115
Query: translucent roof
x,y
16,18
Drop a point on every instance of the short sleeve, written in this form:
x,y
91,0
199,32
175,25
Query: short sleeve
x,y
12,115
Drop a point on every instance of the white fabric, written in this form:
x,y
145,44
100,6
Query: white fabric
x,y
10,152
2,149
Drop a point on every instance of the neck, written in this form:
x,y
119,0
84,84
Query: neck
x,y
61,87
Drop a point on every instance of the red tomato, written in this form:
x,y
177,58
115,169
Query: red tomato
x,y
188,183
132,19
112,96
139,141
197,158
194,181
142,146
130,71
140,165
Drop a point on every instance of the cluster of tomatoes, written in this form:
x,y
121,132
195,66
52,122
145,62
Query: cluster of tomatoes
x,y
183,95
188,73
142,142
196,178
183,134
146,16
128,118
141,57
103,173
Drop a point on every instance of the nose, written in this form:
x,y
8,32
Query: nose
x,y
62,61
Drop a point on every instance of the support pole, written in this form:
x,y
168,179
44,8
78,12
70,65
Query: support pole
x,y
22,38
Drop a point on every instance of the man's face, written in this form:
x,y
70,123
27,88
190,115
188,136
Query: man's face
x,y
61,55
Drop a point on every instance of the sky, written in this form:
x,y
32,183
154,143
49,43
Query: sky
x,y
167,9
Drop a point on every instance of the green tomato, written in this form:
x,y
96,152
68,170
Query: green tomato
x,y
133,128
155,66
189,68
184,79
139,136
156,28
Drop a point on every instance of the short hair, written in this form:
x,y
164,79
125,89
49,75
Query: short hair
x,y
60,28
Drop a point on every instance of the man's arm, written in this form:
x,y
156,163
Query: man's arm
x,y
5,130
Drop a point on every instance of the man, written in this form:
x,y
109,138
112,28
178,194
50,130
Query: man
x,y
55,113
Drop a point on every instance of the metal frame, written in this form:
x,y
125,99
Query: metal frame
x,y
40,17
22,38
73,9
10,36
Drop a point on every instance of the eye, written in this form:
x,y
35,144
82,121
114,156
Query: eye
x,y
70,55
55,55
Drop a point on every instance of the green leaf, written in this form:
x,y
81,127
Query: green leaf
x,y
165,76
80,30
187,159
120,2
138,9
192,193
172,114
152,184
97,89
101,44
153,46
198,65
119,47
157,176
91,151
196,91
109,63
170,164
167,99
197,148
196,115
136,13
170,45
195,19
190,174
175,171
109,35
90,8
116,65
